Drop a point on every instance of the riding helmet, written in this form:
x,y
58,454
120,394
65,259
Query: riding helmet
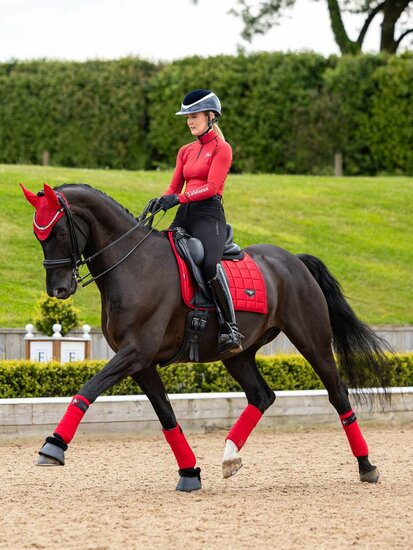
x,y
198,101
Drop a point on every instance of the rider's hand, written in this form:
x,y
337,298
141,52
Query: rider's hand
x,y
151,206
166,202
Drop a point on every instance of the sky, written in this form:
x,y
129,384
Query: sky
x,y
156,30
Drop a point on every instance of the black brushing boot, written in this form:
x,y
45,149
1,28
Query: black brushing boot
x,y
229,338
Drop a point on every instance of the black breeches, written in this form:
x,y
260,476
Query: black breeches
x,y
205,220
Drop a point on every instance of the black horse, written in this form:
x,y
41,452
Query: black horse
x,y
143,320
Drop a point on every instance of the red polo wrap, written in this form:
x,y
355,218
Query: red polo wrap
x,y
68,425
48,210
180,447
242,428
355,438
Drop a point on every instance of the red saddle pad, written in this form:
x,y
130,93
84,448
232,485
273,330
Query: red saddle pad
x,y
245,280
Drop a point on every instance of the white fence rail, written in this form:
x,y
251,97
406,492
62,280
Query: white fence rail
x,y
196,412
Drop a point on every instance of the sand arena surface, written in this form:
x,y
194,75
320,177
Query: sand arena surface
x,y
297,489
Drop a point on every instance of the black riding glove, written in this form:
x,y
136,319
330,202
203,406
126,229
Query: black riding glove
x,y
151,206
166,202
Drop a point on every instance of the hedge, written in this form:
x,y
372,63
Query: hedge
x,y
282,113
282,372
391,122
90,114
263,97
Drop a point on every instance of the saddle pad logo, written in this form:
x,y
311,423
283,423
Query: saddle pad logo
x,y
249,292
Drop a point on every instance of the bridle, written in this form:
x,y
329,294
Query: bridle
x,y
75,256
75,259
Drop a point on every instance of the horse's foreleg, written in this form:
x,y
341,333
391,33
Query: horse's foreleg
x,y
259,395
52,452
189,475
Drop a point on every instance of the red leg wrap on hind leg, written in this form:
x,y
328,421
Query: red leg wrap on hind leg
x,y
75,412
180,447
357,442
242,428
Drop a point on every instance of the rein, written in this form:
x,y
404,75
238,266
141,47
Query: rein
x,y
75,259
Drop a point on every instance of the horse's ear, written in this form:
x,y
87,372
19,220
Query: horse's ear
x,y
31,197
50,194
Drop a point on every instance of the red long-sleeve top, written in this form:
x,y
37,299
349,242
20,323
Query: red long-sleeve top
x,y
203,166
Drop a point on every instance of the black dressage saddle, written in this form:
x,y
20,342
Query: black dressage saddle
x,y
192,251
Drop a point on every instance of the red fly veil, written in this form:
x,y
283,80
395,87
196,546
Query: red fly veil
x,y
48,210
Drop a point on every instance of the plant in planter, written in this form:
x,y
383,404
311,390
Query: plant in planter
x,y
50,311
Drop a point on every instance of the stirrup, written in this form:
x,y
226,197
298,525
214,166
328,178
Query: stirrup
x,y
230,340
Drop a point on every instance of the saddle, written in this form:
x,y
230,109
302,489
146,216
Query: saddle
x,y
192,252
245,279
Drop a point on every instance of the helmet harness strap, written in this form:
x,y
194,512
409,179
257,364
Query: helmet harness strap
x,y
211,121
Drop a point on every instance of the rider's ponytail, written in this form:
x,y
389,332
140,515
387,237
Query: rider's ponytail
x,y
218,130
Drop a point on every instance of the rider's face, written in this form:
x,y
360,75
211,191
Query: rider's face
x,y
197,123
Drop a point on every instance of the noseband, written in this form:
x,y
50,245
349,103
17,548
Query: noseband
x,y
75,259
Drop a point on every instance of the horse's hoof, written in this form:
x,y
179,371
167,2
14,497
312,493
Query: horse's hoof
x,y
51,455
189,480
231,467
188,484
371,477
44,460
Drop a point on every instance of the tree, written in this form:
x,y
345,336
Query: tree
x,y
397,16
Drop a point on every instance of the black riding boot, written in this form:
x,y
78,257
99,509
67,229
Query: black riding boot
x,y
229,338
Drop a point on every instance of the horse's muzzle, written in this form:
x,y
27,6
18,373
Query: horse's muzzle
x,y
62,291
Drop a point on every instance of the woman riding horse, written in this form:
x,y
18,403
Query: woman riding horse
x,y
203,166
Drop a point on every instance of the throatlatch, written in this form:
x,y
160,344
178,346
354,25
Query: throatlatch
x,y
229,337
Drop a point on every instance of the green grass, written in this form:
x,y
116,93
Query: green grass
x,y
360,227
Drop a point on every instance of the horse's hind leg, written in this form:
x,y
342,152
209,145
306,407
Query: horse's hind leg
x,y
244,370
313,341
151,383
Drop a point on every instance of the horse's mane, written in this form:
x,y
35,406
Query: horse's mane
x,y
143,227
93,189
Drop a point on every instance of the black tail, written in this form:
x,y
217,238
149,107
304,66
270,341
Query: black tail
x,y
360,352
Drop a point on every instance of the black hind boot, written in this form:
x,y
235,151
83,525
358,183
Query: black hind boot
x,y
229,337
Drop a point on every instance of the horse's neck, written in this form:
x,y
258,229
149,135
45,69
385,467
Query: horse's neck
x,y
107,221
107,228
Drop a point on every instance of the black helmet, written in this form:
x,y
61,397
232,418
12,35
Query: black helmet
x,y
198,101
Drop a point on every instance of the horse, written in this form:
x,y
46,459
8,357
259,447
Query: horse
x,y
143,320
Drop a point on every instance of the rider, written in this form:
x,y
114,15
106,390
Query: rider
x,y
202,166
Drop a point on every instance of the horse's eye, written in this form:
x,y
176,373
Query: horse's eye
x,y
61,234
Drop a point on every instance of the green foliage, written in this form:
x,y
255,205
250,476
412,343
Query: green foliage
x,y
282,372
51,310
85,114
391,123
348,94
282,113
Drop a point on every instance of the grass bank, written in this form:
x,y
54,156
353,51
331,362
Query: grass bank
x,y
360,227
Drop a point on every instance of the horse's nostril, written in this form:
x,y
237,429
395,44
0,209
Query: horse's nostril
x,y
61,293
